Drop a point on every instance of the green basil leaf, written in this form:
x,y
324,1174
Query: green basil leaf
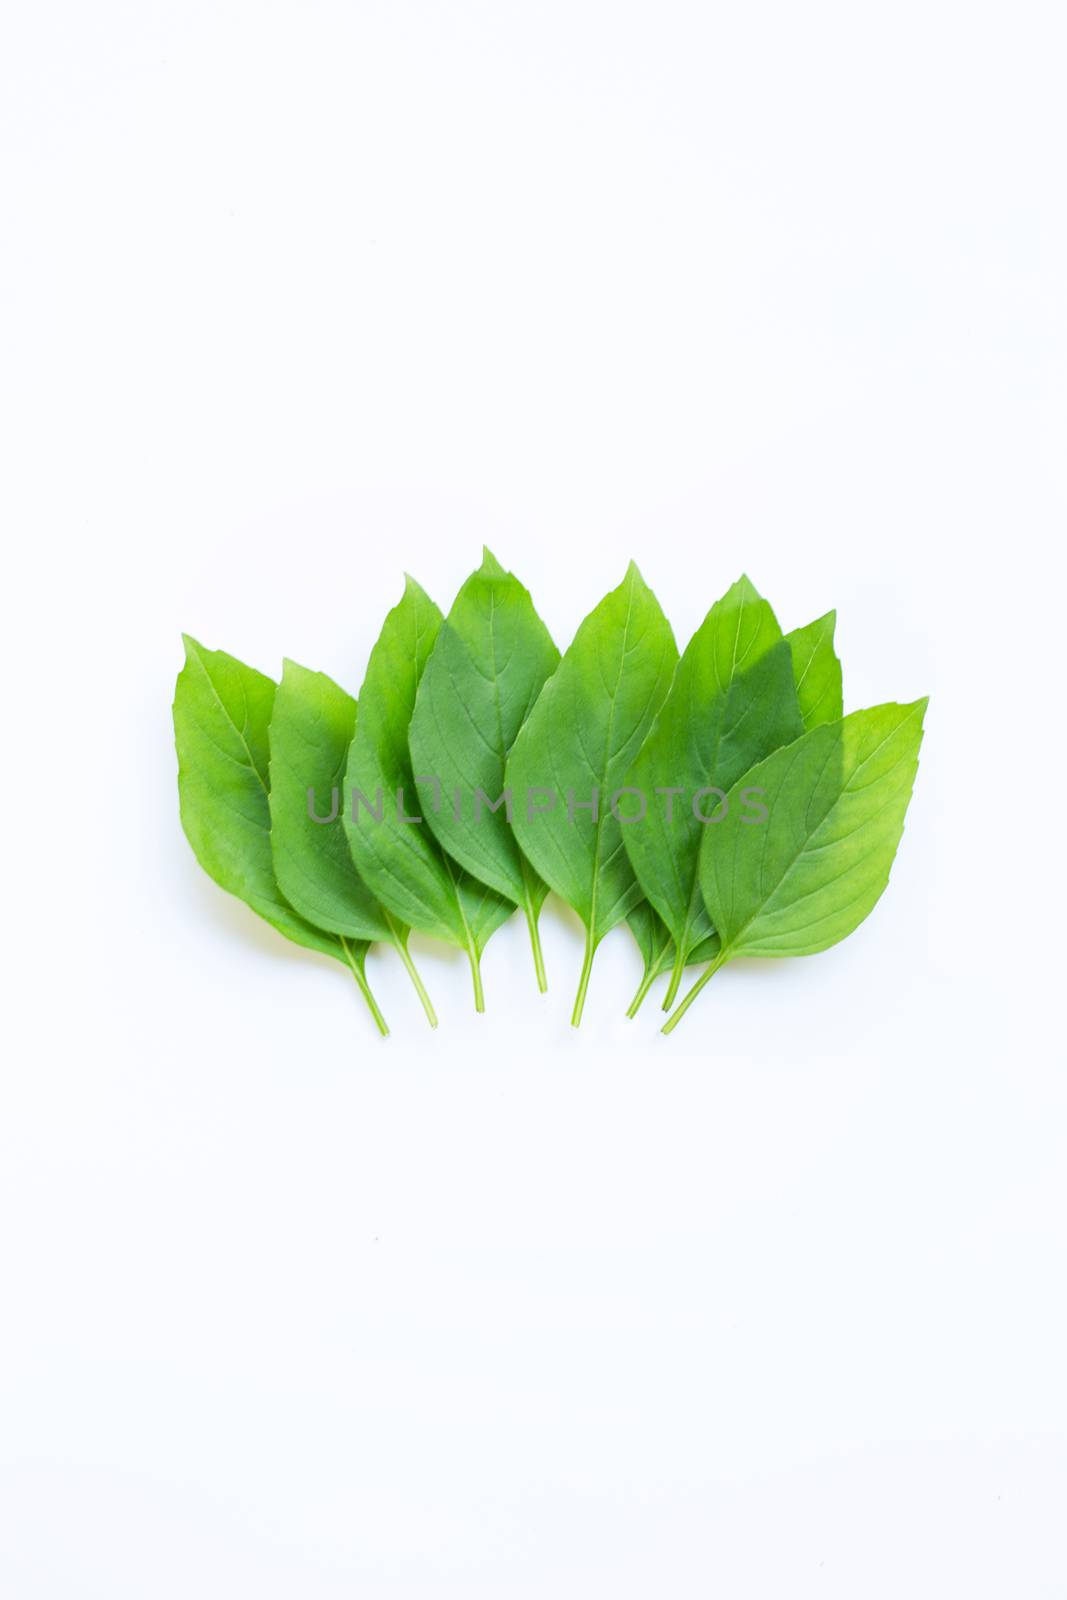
x,y
487,667
804,878
400,860
732,702
222,712
817,671
311,729
575,750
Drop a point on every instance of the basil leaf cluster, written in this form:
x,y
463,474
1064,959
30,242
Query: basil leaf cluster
x,y
762,821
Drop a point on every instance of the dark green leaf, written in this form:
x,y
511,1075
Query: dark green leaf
x,y
575,750
732,701
487,667
400,860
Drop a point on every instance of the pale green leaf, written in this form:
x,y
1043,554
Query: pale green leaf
x,y
803,879
817,671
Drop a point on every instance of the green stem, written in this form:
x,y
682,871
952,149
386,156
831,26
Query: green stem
x,y
651,974
713,967
676,978
653,968
400,943
469,944
583,982
476,974
535,942
364,988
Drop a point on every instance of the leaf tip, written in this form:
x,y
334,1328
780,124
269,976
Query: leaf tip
x,y
633,577
490,567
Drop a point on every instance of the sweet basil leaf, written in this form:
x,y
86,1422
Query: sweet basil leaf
x,y
732,702
817,671
311,728
394,850
222,712
809,874
575,750
488,665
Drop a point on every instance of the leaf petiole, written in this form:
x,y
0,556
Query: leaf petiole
x,y
535,944
709,972
399,938
476,974
654,969
645,985
676,978
583,982
359,973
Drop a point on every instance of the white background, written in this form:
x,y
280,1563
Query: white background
x,y
295,297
